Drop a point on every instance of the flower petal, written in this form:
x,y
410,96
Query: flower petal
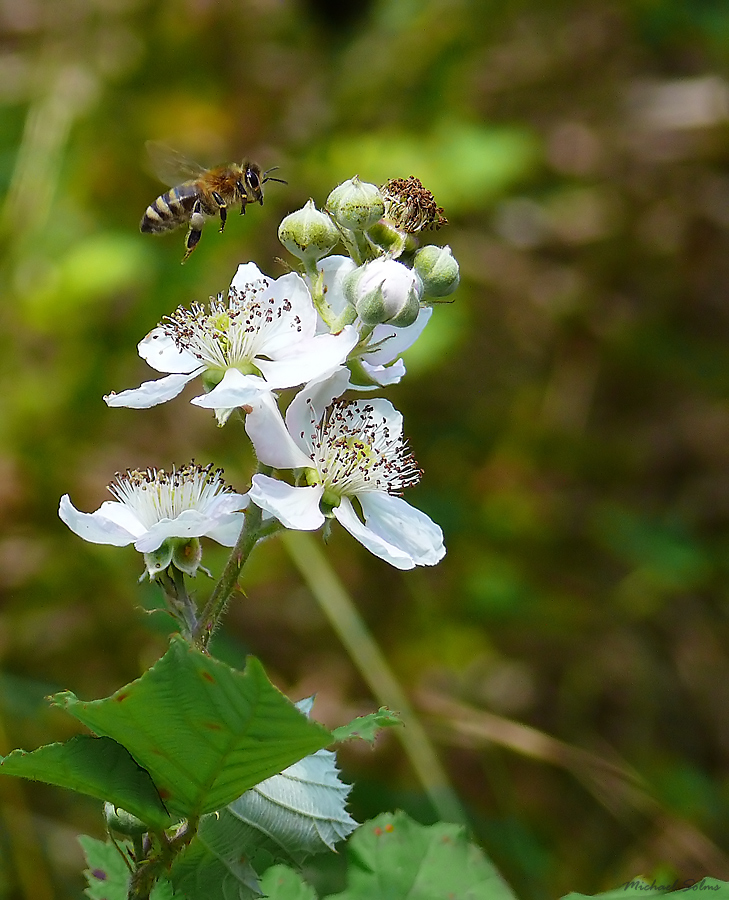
x,y
235,389
310,359
336,269
405,527
272,442
388,342
346,516
294,507
151,393
93,527
159,351
190,523
307,407
227,529
382,375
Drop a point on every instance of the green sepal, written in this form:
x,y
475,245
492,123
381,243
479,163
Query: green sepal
x,y
367,727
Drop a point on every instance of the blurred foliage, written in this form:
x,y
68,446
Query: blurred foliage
x,y
570,410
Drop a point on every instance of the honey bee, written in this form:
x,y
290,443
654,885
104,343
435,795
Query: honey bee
x,y
203,194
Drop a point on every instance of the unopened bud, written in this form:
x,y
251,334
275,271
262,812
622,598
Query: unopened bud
x,y
385,290
308,233
356,204
122,822
438,269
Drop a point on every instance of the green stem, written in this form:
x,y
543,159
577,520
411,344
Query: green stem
x,y
249,536
344,617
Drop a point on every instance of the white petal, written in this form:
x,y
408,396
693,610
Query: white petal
x,y
247,275
346,516
336,269
227,529
404,526
382,375
93,527
123,516
272,442
151,393
160,351
391,342
190,523
235,389
307,407
226,502
310,359
294,507
292,287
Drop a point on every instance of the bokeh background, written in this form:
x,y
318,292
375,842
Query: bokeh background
x,y
570,656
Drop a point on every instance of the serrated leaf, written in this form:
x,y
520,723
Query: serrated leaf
x,y
292,815
97,766
299,812
282,883
204,731
214,866
107,874
394,858
367,727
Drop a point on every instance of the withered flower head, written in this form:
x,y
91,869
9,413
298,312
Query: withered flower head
x,y
410,206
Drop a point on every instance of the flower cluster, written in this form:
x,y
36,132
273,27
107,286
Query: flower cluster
x,y
340,326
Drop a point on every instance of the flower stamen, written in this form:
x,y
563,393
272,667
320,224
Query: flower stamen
x,y
353,451
153,494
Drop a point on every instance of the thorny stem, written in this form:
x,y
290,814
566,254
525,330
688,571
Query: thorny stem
x,y
251,532
179,601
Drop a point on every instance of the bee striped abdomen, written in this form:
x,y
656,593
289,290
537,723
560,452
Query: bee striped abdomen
x,y
170,210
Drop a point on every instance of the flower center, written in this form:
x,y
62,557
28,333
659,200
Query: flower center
x,y
154,494
232,334
353,451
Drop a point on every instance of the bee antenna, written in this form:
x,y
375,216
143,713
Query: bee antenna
x,y
267,177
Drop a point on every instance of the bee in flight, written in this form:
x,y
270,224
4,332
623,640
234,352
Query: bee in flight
x,y
203,194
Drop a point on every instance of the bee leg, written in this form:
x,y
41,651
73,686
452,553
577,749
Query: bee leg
x,y
197,220
222,208
243,206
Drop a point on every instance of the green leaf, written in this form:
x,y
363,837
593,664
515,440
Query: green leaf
x,y
282,883
97,766
393,858
214,866
107,874
292,815
367,727
295,814
204,731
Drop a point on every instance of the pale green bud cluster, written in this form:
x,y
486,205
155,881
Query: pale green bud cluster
x,y
379,228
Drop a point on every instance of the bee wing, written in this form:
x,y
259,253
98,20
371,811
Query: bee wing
x,y
171,166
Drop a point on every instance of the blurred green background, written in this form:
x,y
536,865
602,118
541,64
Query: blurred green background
x,y
570,656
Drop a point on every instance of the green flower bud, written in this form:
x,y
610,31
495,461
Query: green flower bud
x,y
356,204
308,233
438,269
122,822
384,290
